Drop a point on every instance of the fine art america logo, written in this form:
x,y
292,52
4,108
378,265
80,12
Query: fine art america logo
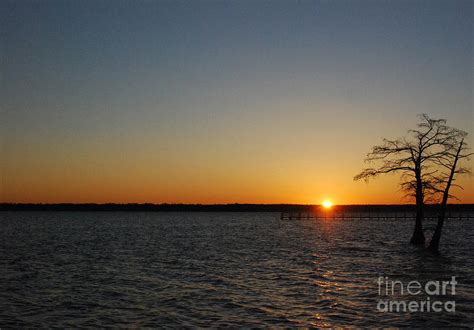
x,y
414,296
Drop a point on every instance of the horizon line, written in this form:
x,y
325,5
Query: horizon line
x,y
214,204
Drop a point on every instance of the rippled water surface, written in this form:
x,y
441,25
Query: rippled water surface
x,y
219,269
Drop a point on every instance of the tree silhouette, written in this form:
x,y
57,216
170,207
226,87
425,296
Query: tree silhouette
x,y
448,161
412,157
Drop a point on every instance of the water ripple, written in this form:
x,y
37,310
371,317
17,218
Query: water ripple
x,y
218,269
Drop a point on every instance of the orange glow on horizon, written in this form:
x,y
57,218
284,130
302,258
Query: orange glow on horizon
x,y
72,173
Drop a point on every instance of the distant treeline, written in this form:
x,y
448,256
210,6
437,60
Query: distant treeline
x,y
147,207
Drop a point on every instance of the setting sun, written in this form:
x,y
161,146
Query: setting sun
x,y
327,204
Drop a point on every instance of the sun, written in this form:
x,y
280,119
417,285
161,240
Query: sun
x,y
327,204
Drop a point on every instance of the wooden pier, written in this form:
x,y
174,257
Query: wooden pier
x,y
368,216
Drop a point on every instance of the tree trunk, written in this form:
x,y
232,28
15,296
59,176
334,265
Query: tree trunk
x,y
418,237
434,244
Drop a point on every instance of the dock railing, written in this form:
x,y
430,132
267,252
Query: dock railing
x,y
368,215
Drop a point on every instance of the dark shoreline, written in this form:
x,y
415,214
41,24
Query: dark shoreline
x,y
147,207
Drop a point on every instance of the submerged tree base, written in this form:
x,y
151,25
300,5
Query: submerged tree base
x,y
434,243
433,249
418,239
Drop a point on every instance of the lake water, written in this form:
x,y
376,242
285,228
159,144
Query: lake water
x,y
220,269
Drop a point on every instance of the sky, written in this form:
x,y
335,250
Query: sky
x,y
222,101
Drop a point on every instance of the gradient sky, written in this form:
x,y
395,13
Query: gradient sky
x,y
222,101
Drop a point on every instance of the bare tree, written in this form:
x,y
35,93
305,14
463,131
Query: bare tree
x,y
411,158
449,162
